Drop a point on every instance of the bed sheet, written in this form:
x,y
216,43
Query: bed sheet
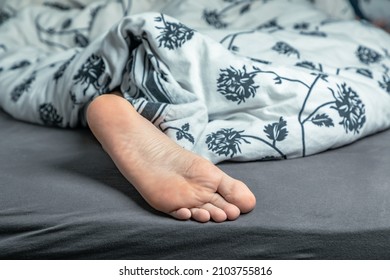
x,y
61,197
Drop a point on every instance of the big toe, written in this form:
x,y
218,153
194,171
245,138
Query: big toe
x,y
237,193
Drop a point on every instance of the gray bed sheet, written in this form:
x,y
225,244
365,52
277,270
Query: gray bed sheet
x,y
61,197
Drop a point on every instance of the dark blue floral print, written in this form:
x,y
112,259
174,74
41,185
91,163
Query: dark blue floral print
x,y
22,88
20,64
182,133
173,35
350,108
226,142
276,131
284,48
322,120
61,70
385,83
91,74
49,116
236,84
367,55
6,13
310,65
213,18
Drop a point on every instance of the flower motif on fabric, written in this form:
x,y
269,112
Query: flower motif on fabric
x,y
236,84
367,55
225,142
92,73
385,83
214,18
284,48
61,70
350,108
49,116
173,35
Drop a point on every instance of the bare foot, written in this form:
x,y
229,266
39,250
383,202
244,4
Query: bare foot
x,y
170,178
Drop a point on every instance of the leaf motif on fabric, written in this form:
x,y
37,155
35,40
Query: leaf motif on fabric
x,y
277,131
20,64
20,89
365,72
61,70
385,83
67,23
245,9
80,40
284,48
184,133
322,120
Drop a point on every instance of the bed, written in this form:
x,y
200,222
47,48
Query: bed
x,y
61,197
304,125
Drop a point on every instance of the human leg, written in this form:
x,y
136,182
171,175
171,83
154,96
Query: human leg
x,y
170,178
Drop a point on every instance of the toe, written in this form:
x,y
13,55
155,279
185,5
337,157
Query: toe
x,y
230,210
237,193
181,214
216,214
200,215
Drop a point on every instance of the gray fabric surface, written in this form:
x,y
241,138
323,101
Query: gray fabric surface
x,y
61,197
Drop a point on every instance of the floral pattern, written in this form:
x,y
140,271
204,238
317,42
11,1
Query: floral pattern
x,y
276,131
322,101
236,84
173,35
286,49
182,133
22,88
91,73
61,70
213,18
385,83
367,55
49,116
5,14
226,142
350,108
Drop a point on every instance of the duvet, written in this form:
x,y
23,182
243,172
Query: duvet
x,y
228,79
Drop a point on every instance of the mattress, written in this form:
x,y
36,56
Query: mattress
x,y
61,197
